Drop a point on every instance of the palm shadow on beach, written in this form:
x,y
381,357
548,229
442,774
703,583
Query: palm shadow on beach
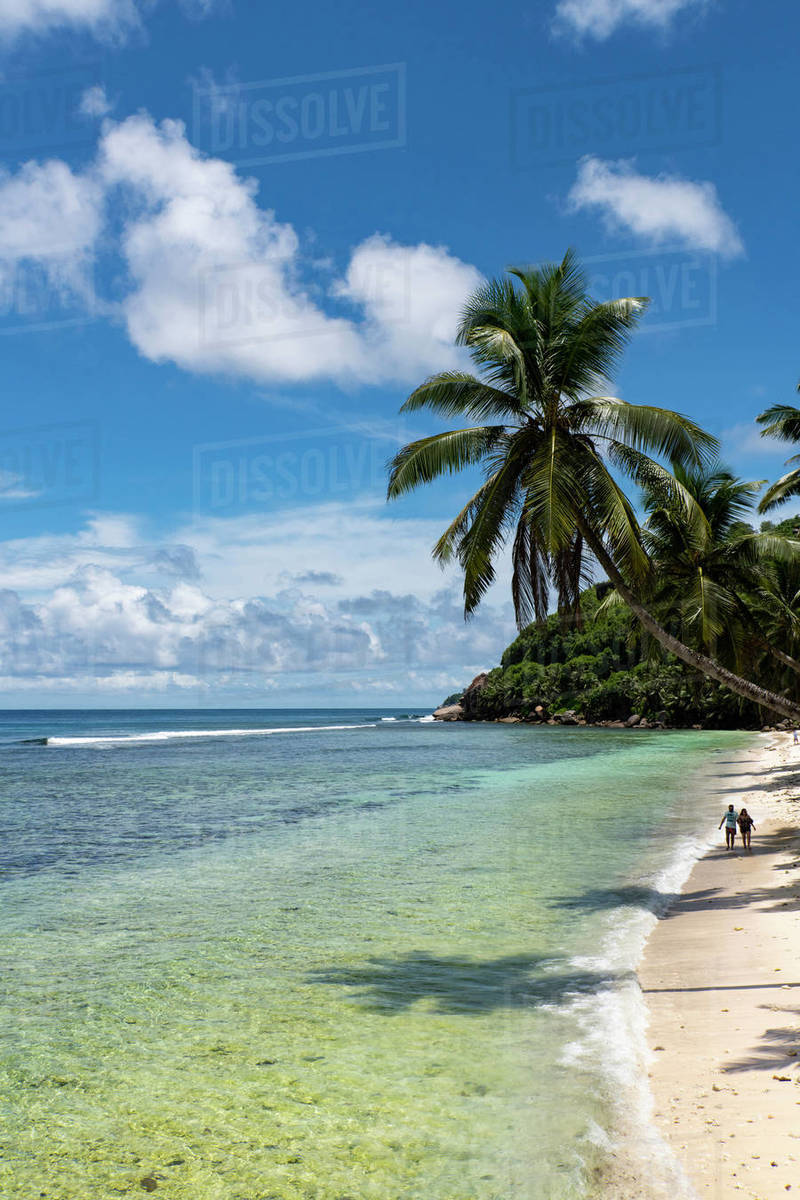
x,y
776,1050
457,985
770,779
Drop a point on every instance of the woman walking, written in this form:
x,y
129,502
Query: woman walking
x,y
745,825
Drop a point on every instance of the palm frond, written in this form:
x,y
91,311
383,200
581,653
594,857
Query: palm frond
x,y
779,492
456,393
491,520
447,544
645,427
442,454
781,421
589,355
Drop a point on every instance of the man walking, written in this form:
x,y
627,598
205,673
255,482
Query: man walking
x,y
729,818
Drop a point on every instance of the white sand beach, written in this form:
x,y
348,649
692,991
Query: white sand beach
x,y
721,978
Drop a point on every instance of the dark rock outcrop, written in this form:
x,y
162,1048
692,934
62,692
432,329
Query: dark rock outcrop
x,y
471,696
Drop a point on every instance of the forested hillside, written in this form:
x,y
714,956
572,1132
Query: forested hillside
x,y
603,668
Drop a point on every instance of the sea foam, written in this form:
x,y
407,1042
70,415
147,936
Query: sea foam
x,y
168,735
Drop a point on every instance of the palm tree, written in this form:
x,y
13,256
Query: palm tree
x,y
714,574
542,348
782,421
775,607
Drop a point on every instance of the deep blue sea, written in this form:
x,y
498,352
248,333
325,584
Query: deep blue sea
x,y
332,954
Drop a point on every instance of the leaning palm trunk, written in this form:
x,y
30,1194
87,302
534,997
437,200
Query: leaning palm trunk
x,y
780,655
764,644
693,658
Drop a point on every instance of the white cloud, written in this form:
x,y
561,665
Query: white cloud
x,y
49,215
94,102
103,17
220,285
600,18
657,209
411,298
215,282
50,219
99,606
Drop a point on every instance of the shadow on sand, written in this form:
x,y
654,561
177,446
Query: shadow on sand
x,y
777,1048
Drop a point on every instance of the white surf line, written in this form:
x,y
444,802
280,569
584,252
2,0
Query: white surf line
x,y
171,734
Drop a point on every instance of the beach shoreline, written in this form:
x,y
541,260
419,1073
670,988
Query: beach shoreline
x,y
721,982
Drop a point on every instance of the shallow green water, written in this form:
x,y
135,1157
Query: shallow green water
x,y
337,964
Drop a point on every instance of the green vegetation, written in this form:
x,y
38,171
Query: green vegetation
x,y
605,669
553,446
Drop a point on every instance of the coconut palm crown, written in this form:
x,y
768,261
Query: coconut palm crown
x,y
782,421
551,442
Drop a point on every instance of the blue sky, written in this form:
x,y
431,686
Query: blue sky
x,y
233,237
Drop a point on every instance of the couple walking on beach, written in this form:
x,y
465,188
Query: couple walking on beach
x,y
731,819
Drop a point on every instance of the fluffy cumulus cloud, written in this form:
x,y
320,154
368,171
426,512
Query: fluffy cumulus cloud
x,y
50,221
215,282
600,18
659,210
411,297
106,611
219,284
102,17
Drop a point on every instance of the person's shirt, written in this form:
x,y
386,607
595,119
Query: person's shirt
x,y
745,822
730,819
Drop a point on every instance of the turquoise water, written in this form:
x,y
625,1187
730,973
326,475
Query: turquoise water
x,y
327,963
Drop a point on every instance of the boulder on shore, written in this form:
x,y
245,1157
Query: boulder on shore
x,y
632,720
568,717
509,720
472,693
450,712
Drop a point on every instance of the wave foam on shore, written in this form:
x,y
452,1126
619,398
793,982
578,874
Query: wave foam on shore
x,y
613,1039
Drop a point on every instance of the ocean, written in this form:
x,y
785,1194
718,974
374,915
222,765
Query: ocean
x,y
332,954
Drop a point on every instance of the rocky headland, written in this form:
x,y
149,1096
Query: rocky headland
x,y
598,670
